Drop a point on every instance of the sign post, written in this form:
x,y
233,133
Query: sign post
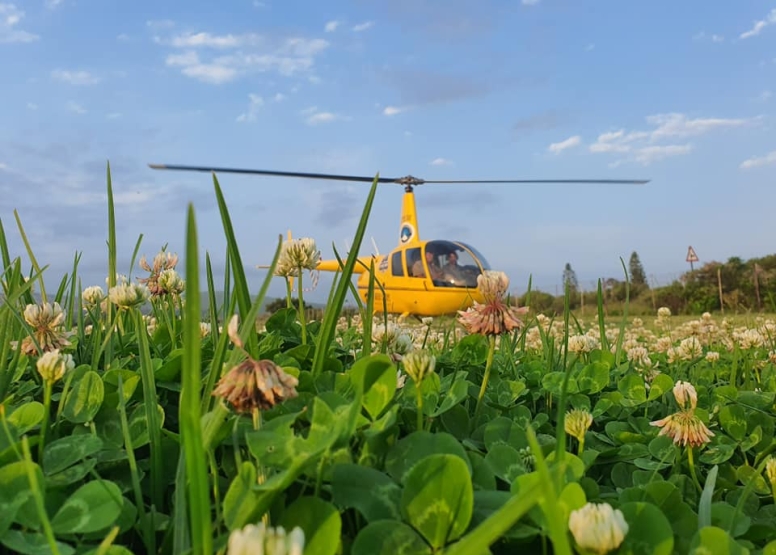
x,y
691,257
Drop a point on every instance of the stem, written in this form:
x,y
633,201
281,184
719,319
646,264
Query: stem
x,y
44,426
486,377
419,396
692,469
261,477
581,445
301,310
288,293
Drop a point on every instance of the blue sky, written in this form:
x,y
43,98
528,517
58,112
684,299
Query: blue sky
x,y
679,93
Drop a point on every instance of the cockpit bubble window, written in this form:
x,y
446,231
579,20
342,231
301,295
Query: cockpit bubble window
x,y
455,263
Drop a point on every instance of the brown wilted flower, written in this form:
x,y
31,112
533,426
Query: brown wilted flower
x,y
254,384
493,317
47,322
162,261
685,428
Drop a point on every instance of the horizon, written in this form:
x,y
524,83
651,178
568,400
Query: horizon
x,y
532,90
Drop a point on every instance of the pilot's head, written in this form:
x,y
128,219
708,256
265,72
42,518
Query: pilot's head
x,y
452,258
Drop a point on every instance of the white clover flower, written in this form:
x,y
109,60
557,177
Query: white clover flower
x,y
597,527
685,394
171,282
663,312
92,296
712,356
204,329
128,295
53,365
418,364
296,255
257,539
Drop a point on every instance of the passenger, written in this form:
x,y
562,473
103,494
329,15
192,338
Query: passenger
x,y
433,266
452,270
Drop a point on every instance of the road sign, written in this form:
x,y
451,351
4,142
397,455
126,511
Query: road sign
x,y
691,256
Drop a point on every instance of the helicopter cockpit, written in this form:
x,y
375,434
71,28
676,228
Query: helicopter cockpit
x,y
450,263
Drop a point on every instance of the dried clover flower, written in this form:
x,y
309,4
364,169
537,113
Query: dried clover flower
x,y
47,322
597,527
493,317
257,539
684,428
162,261
254,385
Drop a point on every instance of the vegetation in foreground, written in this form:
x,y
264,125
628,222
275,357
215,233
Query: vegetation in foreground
x,y
124,432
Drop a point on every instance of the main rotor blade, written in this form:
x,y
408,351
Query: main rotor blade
x,y
211,169
616,181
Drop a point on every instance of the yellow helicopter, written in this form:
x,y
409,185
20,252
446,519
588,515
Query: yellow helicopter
x,y
430,277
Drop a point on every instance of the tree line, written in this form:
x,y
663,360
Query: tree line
x,y
734,286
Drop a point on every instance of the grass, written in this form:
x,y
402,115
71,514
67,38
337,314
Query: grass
x,y
133,453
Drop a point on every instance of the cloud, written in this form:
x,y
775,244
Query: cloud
x,y
75,108
759,25
314,117
393,110
32,106
530,2
53,4
331,26
255,104
713,37
641,146
10,16
557,148
74,77
756,162
441,162
219,59
363,26
544,120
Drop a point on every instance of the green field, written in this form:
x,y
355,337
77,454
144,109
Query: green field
x,y
128,424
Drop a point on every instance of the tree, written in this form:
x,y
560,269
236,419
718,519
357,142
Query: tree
x,y
570,278
638,277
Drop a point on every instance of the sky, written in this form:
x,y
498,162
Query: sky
x,y
680,93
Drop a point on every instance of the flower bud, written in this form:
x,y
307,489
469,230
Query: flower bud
x,y
258,539
577,422
418,364
53,365
598,528
685,395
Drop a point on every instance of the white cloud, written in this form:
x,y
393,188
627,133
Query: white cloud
x,y
158,24
331,26
759,25
764,96
279,97
642,147
32,106
74,77
714,37
10,16
245,54
530,2
53,4
76,108
323,117
113,115
441,162
363,26
255,104
756,162
557,148
393,110
123,37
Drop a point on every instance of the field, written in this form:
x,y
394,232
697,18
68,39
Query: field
x,y
128,424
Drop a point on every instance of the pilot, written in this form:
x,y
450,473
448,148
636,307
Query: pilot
x,y
451,269
418,271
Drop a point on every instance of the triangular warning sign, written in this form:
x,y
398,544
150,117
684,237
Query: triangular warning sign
x,y
691,256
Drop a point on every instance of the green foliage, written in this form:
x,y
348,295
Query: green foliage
x,y
134,453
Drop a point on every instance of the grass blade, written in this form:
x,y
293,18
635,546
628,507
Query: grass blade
x,y
333,309
196,479
33,261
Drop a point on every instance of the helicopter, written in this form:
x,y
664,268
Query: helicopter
x,y
419,277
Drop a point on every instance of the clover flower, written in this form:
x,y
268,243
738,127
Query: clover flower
x,y
258,539
685,395
577,422
47,322
170,282
128,295
493,317
254,384
685,428
53,365
162,261
770,471
418,364
598,528
93,296
296,255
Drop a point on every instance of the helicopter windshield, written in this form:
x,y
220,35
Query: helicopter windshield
x,y
455,264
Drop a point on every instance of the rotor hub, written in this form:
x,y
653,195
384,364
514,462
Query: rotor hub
x,y
409,181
